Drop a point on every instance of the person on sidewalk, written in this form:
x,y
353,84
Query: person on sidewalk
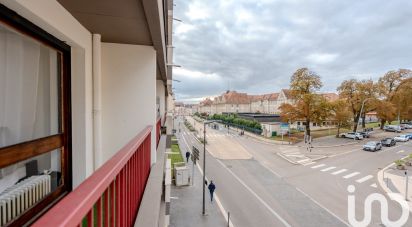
x,y
211,188
187,156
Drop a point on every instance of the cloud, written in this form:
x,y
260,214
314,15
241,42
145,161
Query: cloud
x,y
197,10
256,45
321,58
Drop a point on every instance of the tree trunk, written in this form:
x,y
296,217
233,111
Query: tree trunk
x,y
337,135
363,121
308,127
382,123
355,121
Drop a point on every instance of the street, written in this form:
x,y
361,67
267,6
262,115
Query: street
x,y
263,189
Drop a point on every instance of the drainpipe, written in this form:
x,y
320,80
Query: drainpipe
x,y
97,101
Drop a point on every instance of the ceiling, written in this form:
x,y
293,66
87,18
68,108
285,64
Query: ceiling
x,y
117,22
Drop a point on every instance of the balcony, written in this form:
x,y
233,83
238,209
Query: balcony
x,y
125,190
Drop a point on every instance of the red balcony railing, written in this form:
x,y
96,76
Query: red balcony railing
x,y
112,194
158,125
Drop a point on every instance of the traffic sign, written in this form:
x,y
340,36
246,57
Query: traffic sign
x,y
195,153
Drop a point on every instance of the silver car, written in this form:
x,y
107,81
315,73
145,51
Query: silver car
x,y
372,146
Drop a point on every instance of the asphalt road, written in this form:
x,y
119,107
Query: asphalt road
x,y
254,194
266,190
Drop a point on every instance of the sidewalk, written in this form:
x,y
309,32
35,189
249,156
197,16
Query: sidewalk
x,y
186,203
392,180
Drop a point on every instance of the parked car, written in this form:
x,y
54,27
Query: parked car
x,y
409,135
401,138
352,135
392,128
388,142
372,146
365,134
407,126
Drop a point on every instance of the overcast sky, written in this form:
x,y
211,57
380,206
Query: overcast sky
x,y
255,46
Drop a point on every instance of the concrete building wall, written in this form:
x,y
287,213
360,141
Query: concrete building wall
x,y
161,97
53,18
256,106
128,95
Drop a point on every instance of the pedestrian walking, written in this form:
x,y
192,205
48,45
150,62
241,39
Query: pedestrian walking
x,y
211,188
187,156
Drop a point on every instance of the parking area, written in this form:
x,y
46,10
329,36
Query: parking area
x,y
331,146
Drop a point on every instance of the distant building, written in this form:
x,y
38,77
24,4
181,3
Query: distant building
x,y
263,108
232,102
235,102
371,117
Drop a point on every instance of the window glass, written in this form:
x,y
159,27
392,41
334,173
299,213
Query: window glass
x,y
28,182
29,88
48,163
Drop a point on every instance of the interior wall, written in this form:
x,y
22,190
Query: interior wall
x,y
53,18
128,95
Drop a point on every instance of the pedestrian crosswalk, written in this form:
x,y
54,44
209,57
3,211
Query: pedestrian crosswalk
x,y
327,169
351,175
318,166
339,171
344,173
364,179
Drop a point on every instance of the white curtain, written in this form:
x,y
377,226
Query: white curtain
x,y
19,75
28,95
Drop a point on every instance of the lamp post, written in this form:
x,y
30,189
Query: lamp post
x,y
204,164
360,115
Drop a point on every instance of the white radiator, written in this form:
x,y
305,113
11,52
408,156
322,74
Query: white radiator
x,y
21,196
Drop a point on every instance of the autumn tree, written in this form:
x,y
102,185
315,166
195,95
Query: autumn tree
x,y
341,114
402,99
308,105
389,91
355,93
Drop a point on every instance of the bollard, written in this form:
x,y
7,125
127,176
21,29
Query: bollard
x,y
228,219
406,184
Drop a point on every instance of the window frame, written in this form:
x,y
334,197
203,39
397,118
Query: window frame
x,y
63,139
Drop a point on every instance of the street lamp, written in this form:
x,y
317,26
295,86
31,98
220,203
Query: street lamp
x,y
173,65
360,114
204,163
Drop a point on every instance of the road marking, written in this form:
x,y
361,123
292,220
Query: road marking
x,y
374,186
330,212
351,175
256,195
339,171
401,151
318,166
364,179
327,169
296,155
307,164
174,197
303,160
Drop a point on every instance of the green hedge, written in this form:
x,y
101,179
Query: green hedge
x,y
235,121
189,126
